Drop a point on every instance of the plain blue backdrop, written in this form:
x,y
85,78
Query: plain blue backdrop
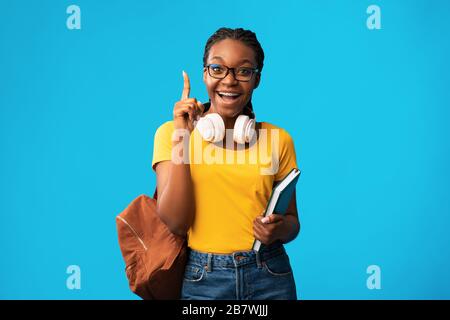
x,y
368,110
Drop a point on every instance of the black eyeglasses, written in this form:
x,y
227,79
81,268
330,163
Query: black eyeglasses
x,y
219,71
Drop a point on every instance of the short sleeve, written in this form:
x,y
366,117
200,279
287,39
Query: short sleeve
x,y
162,146
287,160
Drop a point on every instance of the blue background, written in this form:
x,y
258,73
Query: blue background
x,y
368,110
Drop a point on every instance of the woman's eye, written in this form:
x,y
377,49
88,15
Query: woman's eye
x,y
244,72
217,69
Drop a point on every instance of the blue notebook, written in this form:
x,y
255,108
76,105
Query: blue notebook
x,y
280,198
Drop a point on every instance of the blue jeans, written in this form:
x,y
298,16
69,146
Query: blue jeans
x,y
242,275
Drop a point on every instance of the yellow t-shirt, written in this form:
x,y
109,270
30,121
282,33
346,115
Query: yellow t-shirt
x,y
231,187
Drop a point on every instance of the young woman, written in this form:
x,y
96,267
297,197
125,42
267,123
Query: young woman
x,y
218,202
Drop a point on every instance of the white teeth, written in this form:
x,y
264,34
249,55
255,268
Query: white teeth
x,y
229,94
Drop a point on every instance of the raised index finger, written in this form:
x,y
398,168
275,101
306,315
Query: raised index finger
x,y
186,87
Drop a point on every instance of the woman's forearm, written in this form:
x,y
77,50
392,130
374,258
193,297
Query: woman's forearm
x,y
176,205
291,228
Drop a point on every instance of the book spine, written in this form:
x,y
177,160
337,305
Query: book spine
x,y
256,245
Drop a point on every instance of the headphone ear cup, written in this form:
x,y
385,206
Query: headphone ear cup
x,y
250,130
211,127
205,128
240,129
219,126
244,129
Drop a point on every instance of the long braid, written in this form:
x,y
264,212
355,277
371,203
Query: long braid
x,y
247,37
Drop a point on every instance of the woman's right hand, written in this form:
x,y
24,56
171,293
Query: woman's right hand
x,y
187,110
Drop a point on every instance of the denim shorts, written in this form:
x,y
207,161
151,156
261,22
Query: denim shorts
x,y
242,275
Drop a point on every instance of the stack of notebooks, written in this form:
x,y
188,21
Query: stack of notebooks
x,y
280,198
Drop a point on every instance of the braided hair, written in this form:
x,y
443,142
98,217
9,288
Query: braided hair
x,y
248,38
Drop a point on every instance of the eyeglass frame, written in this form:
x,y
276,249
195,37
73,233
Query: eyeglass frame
x,y
254,71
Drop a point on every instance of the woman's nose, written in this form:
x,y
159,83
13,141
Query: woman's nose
x,y
230,79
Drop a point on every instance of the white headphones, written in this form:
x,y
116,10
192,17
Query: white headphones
x,y
212,128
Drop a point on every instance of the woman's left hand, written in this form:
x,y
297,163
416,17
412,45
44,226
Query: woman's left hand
x,y
269,229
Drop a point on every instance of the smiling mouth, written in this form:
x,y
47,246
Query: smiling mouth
x,y
228,96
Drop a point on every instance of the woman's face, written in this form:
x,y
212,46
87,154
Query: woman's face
x,y
233,54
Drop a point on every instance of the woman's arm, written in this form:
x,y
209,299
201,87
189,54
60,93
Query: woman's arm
x,y
175,203
278,227
292,224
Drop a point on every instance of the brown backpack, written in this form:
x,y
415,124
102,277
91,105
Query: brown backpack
x,y
155,258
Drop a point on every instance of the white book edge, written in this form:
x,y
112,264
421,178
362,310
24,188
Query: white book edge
x,y
273,201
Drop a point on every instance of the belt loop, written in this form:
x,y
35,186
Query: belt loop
x,y
258,260
209,265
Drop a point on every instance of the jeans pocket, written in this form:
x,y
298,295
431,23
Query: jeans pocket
x,y
278,266
193,273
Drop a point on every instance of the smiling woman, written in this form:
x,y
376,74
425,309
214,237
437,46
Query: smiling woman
x,y
219,206
233,66
242,74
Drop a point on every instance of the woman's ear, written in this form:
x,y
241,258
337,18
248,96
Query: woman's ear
x,y
204,74
257,80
